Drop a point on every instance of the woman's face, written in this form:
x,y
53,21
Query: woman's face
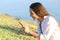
x,y
33,15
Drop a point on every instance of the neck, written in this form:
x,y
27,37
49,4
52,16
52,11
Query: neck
x,y
40,19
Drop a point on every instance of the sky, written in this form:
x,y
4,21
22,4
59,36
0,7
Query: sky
x,y
20,8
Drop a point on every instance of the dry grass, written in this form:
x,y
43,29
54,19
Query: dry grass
x,y
10,29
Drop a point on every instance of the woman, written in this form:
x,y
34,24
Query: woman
x,y
47,25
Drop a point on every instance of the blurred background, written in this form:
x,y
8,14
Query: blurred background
x,y
14,11
20,8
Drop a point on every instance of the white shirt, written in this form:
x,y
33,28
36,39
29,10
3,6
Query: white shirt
x,y
49,28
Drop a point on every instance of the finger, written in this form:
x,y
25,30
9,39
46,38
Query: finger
x,y
21,25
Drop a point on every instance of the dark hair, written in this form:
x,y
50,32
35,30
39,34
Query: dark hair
x,y
33,5
39,9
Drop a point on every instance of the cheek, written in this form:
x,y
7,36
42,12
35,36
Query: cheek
x,y
33,16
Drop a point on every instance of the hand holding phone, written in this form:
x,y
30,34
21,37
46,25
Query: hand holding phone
x,y
25,28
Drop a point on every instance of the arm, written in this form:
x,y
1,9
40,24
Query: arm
x,y
34,34
26,30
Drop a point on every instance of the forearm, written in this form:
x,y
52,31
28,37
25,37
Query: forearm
x,y
34,34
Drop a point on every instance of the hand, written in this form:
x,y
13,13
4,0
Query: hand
x,y
25,29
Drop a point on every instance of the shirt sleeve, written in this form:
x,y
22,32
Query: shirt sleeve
x,y
48,27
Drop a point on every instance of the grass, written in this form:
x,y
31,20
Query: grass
x,y
10,29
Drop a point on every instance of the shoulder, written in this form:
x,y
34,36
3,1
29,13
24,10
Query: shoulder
x,y
49,19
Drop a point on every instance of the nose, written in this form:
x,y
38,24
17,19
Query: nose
x,y
30,14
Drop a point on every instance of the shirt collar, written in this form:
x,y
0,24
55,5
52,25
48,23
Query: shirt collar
x,y
45,17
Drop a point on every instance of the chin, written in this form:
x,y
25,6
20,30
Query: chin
x,y
34,19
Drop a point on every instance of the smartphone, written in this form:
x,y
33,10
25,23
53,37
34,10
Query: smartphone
x,y
21,24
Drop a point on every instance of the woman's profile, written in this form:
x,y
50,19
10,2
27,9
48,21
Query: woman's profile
x,y
47,25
